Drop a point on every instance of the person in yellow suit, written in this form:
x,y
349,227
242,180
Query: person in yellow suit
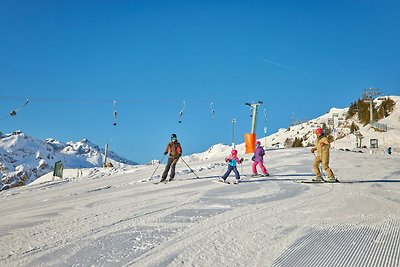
x,y
322,146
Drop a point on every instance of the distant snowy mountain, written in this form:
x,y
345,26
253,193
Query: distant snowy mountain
x,y
24,158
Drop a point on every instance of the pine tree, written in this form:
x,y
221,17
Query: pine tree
x,y
353,127
385,108
353,109
298,142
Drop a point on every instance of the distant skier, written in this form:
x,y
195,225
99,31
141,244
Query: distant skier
x,y
258,160
232,161
322,146
389,150
175,152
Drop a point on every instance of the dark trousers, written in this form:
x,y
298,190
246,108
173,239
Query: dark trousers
x,y
170,165
230,169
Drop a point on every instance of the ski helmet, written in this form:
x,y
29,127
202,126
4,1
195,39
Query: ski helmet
x,y
234,152
319,131
173,137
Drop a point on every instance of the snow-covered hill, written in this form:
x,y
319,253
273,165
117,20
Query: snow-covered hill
x,y
23,158
343,138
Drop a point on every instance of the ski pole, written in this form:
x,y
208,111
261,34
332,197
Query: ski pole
x,y
151,177
190,168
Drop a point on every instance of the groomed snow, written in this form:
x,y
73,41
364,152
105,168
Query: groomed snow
x,y
119,217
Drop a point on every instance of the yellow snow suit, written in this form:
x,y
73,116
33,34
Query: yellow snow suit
x,y
322,146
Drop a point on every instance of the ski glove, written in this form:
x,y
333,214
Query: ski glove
x,y
253,158
165,153
241,160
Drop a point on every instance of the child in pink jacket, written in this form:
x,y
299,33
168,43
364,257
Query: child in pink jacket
x,y
232,161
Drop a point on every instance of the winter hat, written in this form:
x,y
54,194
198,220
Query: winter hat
x,y
319,131
234,152
173,136
258,143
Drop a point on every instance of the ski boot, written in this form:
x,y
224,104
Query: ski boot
x,y
332,180
318,179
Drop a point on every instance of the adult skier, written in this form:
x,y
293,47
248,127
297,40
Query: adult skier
x,y
258,159
322,146
175,152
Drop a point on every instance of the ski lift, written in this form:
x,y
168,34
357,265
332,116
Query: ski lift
x,y
212,110
181,112
265,115
115,113
251,109
14,112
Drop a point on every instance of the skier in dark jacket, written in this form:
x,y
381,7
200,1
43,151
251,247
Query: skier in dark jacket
x,y
175,152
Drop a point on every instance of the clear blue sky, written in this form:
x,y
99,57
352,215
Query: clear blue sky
x,y
72,59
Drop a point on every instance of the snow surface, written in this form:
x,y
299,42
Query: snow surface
x,y
123,219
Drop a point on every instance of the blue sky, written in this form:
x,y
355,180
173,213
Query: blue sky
x,y
72,59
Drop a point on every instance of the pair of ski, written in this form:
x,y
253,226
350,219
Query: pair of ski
x,y
259,175
317,181
227,182
164,182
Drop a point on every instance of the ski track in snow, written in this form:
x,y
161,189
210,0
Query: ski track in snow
x,y
123,219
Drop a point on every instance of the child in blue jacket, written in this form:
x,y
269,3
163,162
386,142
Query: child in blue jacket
x,y
232,161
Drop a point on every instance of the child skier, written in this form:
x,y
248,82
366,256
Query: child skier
x,y
232,161
258,160
322,146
